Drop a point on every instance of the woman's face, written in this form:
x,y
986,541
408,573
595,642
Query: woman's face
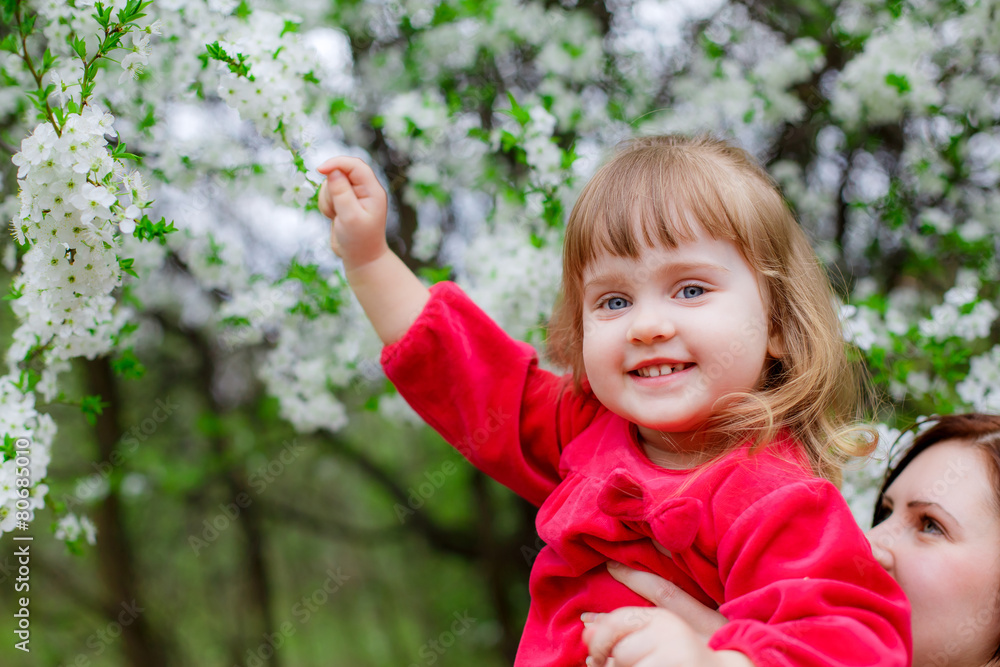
x,y
941,542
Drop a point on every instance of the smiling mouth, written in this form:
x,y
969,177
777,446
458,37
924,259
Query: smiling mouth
x,y
657,370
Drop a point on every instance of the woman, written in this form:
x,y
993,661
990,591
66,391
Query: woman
x,y
936,530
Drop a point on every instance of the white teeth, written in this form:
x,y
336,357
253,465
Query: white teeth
x,y
657,371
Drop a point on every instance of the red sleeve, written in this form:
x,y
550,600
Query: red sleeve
x,y
485,394
802,587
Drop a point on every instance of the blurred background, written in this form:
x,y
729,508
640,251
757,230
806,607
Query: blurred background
x,y
228,477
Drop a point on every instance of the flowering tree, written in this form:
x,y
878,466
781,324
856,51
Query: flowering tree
x,y
159,187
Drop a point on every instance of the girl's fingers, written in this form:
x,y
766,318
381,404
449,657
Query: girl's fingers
x,y
341,197
351,188
358,173
667,595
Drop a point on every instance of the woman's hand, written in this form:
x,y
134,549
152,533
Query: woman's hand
x,y
667,595
353,199
650,637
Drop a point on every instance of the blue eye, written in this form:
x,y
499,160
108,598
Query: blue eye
x,y
616,303
929,525
692,291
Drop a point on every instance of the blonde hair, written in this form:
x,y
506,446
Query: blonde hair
x,y
659,190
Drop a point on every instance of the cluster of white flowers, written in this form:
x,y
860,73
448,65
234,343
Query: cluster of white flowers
x,y
71,527
512,280
74,198
257,313
981,387
313,359
443,158
20,419
947,319
863,326
893,76
776,75
137,59
543,155
273,92
573,50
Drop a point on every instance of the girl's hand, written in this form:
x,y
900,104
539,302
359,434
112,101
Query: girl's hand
x,y
352,197
650,637
667,595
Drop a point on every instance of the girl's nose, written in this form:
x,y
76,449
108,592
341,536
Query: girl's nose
x,y
649,324
882,537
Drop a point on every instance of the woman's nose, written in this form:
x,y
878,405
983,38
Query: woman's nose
x,y
650,323
882,538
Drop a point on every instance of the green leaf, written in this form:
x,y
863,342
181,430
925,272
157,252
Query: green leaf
x,y
435,274
102,15
574,50
15,293
92,406
147,230
507,140
126,264
243,11
127,365
119,152
898,81
237,65
148,121
519,113
8,448
338,106
713,50
10,43
318,295
49,60
7,11
27,24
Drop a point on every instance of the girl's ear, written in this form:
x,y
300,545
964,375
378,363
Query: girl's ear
x,y
775,343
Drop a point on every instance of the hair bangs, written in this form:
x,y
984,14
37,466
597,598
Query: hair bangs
x,y
670,197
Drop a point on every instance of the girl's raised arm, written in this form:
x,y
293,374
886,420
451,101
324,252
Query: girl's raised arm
x,y
391,295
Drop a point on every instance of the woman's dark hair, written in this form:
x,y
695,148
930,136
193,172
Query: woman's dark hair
x,y
976,429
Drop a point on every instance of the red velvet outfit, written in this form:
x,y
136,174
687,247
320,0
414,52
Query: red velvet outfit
x,y
776,548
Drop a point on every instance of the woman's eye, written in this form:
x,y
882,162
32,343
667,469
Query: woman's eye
x,y
929,525
616,303
692,291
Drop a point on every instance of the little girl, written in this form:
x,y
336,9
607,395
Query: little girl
x,y
707,402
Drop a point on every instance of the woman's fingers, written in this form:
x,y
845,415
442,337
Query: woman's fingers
x,y
667,595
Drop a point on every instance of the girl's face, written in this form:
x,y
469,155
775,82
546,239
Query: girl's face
x,y
940,542
667,334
